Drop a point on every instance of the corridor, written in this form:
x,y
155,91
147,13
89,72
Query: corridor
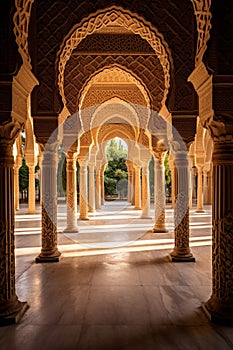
x,y
114,287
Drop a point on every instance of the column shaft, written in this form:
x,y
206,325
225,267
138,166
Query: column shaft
x,y
71,194
182,251
145,193
102,184
91,189
83,201
16,187
199,190
220,305
11,309
49,251
98,189
159,195
31,190
137,187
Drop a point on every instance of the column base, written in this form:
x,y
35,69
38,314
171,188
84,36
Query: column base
x,y
200,211
218,313
145,217
159,230
85,219
177,256
42,258
137,208
71,230
13,316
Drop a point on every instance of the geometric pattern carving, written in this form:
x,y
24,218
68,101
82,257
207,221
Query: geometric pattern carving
x,y
120,18
146,68
97,95
203,18
21,21
54,19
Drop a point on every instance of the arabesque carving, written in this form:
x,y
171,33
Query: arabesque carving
x,y
21,21
114,16
203,18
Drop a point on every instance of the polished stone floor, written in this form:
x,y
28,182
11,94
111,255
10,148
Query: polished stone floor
x,y
114,287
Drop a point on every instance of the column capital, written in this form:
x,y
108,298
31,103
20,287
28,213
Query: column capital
x,y
8,133
221,129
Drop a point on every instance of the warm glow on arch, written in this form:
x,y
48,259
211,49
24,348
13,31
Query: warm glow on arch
x,y
115,16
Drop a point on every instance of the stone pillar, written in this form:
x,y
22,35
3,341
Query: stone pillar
x,y
210,185
11,309
137,186
133,186
173,189
145,192
49,251
98,189
31,189
220,304
205,187
71,194
182,251
91,188
199,189
159,194
17,165
83,200
102,183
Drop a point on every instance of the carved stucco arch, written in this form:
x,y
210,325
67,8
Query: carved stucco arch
x,y
114,68
108,132
114,16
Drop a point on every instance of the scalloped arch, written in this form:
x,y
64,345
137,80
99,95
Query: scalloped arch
x,y
114,15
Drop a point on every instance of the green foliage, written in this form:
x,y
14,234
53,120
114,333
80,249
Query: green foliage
x,y
116,170
167,175
23,176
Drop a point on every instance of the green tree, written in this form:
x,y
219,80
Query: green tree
x,y
167,175
23,176
116,170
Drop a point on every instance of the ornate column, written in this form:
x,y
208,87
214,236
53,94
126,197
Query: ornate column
x,y
71,193
220,304
145,192
91,188
159,193
102,183
199,189
49,251
98,189
182,251
17,165
31,189
83,200
11,309
137,186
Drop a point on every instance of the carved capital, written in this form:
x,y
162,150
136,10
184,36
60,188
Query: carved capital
x,y
221,130
8,134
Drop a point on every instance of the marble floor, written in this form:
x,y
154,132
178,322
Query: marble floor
x,y
114,287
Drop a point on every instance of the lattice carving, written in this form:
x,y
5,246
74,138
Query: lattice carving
x,y
113,75
115,43
109,131
146,68
114,17
136,115
203,18
21,21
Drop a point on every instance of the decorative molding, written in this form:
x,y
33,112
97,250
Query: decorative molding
x,y
203,18
114,16
21,23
